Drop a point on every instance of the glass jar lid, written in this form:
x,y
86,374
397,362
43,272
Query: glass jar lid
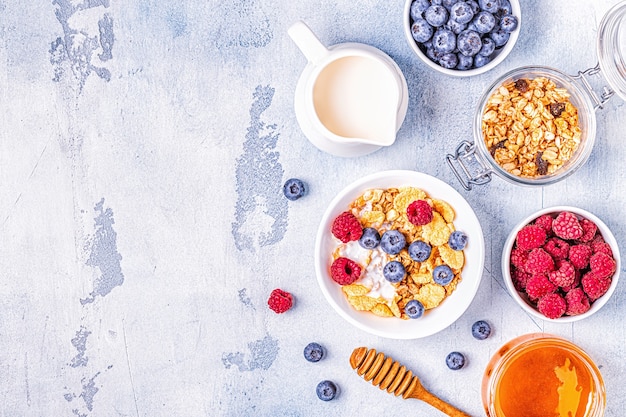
x,y
612,48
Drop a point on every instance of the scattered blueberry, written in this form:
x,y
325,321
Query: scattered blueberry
x,y
419,251
436,15
490,6
294,189
461,12
484,22
508,23
500,37
481,61
449,60
414,309
488,47
421,30
370,238
457,240
313,352
418,7
481,330
465,62
444,41
392,242
455,360
469,42
443,275
394,271
326,390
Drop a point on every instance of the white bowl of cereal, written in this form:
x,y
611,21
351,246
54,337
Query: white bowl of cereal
x,y
561,264
371,281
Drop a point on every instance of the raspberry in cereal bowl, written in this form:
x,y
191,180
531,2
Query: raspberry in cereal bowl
x,y
399,254
561,264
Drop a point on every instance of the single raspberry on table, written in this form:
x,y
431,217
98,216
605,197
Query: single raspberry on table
x,y
589,230
577,302
346,227
564,275
579,255
539,262
594,286
538,286
557,248
602,265
345,271
530,237
552,305
545,222
566,226
280,301
419,212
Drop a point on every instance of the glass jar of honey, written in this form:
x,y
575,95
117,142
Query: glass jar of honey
x,y
541,375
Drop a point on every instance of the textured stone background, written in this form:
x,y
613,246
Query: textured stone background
x,y
143,146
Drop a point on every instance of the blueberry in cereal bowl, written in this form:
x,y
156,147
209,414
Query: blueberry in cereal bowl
x,y
396,275
561,264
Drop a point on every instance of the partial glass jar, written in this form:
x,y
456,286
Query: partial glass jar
x,y
555,376
473,163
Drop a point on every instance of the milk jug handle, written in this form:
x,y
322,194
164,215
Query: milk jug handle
x,y
306,40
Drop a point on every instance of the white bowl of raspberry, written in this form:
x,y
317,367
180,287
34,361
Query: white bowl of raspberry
x,y
399,254
561,264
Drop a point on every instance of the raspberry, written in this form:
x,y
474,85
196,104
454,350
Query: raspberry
x,y
577,302
346,227
564,276
579,255
530,237
345,271
602,265
538,286
519,258
552,305
557,248
539,262
589,230
280,301
520,279
545,222
566,226
594,286
419,212
601,247
575,283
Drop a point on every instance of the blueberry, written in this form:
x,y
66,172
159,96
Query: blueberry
x,y
449,60
508,23
436,15
418,7
461,12
481,330
392,242
473,4
326,390
414,309
419,251
505,8
500,37
443,275
455,360
370,238
394,271
449,3
490,6
481,61
457,240
455,26
294,189
436,2
444,41
432,54
484,22
422,31
488,47
313,352
465,62
469,42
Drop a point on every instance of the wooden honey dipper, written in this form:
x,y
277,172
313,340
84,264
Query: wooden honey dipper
x,y
387,374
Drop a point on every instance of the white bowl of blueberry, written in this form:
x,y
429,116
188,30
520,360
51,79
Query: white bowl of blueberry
x,y
462,37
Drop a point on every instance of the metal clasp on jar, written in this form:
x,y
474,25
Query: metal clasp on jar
x,y
468,166
584,78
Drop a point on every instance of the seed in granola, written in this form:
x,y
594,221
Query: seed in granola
x,y
542,165
521,85
556,109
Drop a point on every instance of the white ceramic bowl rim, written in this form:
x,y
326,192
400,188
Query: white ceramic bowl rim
x,y
522,301
433,320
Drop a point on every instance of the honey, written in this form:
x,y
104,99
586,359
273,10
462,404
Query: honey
x,y
540,375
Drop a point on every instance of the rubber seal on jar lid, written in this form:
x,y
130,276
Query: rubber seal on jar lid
x,y
612,48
